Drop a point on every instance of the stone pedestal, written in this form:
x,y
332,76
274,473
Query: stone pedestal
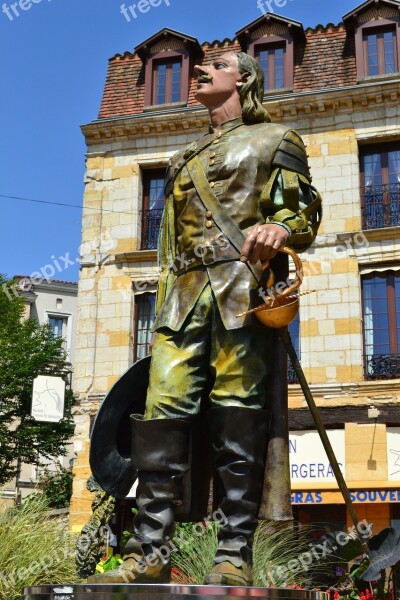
x,y
164,592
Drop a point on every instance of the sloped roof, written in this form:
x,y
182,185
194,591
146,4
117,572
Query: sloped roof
x,y
142,48
350,17
295,26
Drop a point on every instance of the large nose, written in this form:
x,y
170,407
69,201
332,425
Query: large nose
x,y
200,70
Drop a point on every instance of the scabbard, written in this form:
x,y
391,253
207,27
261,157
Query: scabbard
x,y
275,503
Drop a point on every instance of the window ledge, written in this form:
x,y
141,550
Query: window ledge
x,y
277,91
382,233
155,107
378,78
136,256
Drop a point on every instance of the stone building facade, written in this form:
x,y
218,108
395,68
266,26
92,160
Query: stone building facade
x,y
338,86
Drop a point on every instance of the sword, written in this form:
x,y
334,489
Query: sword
x,y
287,342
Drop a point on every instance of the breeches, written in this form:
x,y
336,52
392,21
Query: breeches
x,y
203,355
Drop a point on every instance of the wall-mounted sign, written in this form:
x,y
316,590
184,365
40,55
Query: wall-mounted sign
x,y
357,496
308,460
393,453
48,399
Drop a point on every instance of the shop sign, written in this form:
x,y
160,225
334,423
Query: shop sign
x,y
357,496
48,397
308,460
393,453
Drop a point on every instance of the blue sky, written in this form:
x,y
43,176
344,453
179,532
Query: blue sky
x,y
53,65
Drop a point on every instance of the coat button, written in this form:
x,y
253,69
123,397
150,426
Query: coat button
x,y
212,162
209,214
212,184
212,154
209,224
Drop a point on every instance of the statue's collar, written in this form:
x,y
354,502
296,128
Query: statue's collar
x,y
227,125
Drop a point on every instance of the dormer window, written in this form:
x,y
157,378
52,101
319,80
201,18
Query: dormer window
x,y
271,40
168,57
376,28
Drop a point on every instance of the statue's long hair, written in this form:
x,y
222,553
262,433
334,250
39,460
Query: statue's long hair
x,y
251,93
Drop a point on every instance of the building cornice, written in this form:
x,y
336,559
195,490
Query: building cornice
x,y
284,107
378,393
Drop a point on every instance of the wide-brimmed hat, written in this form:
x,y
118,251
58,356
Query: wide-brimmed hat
x,y
110,440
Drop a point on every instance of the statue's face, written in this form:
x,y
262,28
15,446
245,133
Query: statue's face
x,y
219,80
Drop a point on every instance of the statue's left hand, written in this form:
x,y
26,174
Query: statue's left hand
x,y
263,242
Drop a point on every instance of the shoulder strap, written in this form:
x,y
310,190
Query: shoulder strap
x,y
211,203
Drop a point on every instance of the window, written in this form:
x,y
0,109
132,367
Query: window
x,y
272,62
377,46
144,318
167,78
294,330
380,185
380,52
58,325
381,312
167,60
152,207
271,40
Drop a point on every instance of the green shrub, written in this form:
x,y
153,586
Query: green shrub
x,y
34,549
56,485
275,547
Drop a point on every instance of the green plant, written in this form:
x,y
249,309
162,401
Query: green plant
x,y
196,544
34,549
111,563
373,577
56,485
275,547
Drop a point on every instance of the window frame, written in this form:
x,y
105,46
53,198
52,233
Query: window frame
x,y
382,148
393,319
273,41
168,80
150,70
138,299
158,172
370,27
67,319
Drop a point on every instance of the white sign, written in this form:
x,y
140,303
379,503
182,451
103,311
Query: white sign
x,y
393,453
48,398
308,460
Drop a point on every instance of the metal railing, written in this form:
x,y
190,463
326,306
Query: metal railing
x,y
382,366
381,206
151,220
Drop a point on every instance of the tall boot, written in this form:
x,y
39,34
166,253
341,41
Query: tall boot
x,y
238,437
160,452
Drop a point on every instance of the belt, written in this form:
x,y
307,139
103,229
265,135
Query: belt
x,y
203,256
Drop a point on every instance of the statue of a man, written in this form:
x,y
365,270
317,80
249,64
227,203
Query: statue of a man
x,y
233,199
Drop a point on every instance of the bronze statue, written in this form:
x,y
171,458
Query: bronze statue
x,y
233,199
